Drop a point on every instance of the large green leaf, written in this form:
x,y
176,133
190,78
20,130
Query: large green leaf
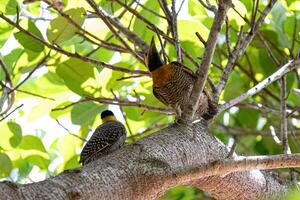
x,y
17,131
32,142
139,27
9,7
28,42
78,76
86,112
60,29
5,31
11,135
6,165
248,118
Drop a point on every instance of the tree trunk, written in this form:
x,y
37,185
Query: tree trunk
x,y
146,169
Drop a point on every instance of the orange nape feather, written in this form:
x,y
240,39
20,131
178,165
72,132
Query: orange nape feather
x,y
162,75
110,118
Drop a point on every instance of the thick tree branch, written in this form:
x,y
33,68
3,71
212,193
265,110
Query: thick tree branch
x,y
146,169
239,163
202,72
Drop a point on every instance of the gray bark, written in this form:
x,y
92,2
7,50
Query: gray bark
x,y
146,169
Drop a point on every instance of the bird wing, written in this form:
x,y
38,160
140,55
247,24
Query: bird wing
x,y
103,138
159,97
184,68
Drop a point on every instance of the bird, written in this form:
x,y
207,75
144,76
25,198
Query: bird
x,y
107,138
173,83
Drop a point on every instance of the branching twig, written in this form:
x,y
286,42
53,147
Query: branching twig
x,y
275,76
77,136
124,102
175,32
69,105
112,22
42,62
124,117
73,55
202,72
241,48
3,118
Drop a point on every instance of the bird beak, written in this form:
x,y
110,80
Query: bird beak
x,y
152,58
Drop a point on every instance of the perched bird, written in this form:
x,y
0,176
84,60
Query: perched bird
x,y
173,84
108,137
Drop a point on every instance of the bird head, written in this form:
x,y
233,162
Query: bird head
x,y
152,58
108,115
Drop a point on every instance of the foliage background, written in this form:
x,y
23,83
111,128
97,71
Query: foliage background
x,y
33,144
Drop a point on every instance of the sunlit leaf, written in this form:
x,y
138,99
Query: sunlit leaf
x,y
78,76
17,131
28,42
6,165
60,29
86,112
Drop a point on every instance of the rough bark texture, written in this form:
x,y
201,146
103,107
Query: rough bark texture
x,y
145,170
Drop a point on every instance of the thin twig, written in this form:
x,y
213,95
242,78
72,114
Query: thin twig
x,y
149,10
227,35
201,39
42,62
124,117
241,48
124,102
3,118
174,32
162,47
275,76
69,105
284,132
297,109
74,55
202,72
77,136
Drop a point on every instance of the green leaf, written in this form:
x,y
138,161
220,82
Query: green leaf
x,y
67,148
5,31
33,151
187,29
6,165
139,27
86,112
61,30
234,87
40,161
78,76
247,118
32,142
9,7
72,163
195,8
293,195
11,135
17,131
26,41
24,168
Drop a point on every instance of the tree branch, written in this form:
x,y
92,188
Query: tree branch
x,y
202,72
275,76
240,48
123,102
149,167
73,55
